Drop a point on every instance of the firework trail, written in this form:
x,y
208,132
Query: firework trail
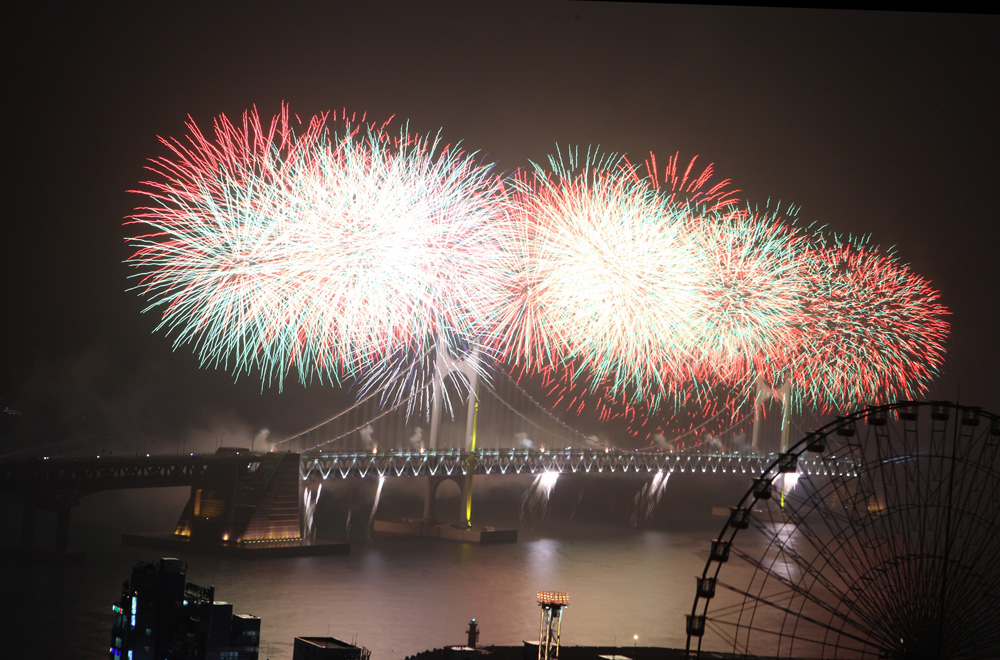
x,y
310,499
535,502
690,187
563,389
648,497
371,518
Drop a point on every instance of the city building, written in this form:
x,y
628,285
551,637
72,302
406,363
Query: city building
x,y
161,616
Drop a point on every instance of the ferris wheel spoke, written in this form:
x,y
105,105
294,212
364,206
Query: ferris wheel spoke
x,y
819,599
774,601
722,628
898,557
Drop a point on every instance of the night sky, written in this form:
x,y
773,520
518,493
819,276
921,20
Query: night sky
x,y
872,122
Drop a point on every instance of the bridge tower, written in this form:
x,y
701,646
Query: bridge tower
x,y
552,604
765,393
444,366
468,367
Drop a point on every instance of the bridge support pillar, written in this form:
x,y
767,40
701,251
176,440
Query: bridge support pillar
x,y
430,497
62,526
28,526
430,493
465,504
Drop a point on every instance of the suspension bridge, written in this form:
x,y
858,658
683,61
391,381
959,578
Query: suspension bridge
x,y
491,428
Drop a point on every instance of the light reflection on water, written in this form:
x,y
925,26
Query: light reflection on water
x,y
397,596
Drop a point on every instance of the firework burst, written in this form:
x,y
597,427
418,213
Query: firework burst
x,y
872,329
206,262
334,248
333,252
403,248
756,281
611,277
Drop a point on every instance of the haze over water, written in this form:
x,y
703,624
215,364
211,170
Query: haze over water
x,y
396,595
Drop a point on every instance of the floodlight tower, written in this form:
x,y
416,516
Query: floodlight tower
x,y
552,604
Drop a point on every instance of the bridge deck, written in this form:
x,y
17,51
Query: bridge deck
x,y
91,474
88,475
513,461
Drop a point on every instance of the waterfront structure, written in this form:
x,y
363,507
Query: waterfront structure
x,y
161,616
251,502
471,650
327,648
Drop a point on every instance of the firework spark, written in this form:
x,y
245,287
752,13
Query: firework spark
x,y
756,286
334,248
872,329
658,291
611,276
208,262
331,252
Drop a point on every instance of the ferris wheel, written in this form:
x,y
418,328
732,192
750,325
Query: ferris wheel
x,y
900,558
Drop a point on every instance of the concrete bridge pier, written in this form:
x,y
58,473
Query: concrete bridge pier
x,y
430,527
28,517
430,496
62,526
60,506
